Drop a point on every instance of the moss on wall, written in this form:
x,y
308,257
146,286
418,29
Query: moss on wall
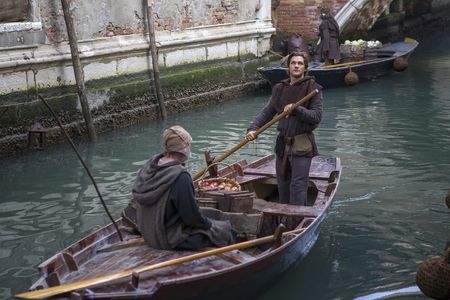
x,y
126,91
26,113
201,76
120,93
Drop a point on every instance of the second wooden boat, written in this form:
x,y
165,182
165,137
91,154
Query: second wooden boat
x,y
374,64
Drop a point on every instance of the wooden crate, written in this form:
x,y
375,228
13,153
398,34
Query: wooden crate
x,y
227,201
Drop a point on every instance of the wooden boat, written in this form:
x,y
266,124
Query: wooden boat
x,y
375,63
238,273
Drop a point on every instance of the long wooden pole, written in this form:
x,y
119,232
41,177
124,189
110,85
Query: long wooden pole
x,y
350,63
83,164
65,288
78,70
258,132
154,53
275,53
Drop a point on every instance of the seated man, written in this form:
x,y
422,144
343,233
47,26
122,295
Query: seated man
x,y
167,214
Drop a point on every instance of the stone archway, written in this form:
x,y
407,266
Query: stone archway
x,y
357,17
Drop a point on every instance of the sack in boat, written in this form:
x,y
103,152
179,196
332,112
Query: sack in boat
x,y
302,144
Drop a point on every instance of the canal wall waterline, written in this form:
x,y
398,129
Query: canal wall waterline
x,y
125,100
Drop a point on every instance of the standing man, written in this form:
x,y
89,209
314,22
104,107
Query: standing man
x,y
295,146
167,214
329,38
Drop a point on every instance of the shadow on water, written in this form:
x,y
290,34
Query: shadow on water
x,y
392,135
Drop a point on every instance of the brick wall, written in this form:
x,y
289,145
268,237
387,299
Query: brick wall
x,y
302,16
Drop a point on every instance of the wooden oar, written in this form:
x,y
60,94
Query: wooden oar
x,y
259,131
68,287
350,63
278,54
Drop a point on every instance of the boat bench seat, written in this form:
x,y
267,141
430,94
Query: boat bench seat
x,y
248,178
289,210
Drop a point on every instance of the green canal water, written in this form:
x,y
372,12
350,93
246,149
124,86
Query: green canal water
x,y
389,215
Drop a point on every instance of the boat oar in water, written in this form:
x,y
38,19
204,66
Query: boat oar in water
x,y
258,132
107,279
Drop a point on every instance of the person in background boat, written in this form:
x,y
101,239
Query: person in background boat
x,y
295,145
167,213
329,38
293,44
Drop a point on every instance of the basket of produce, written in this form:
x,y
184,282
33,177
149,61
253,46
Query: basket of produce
x,y
217,183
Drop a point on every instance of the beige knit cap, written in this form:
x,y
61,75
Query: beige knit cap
x,y
176,139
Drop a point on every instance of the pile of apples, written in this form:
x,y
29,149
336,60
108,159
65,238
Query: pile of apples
x,y
219,184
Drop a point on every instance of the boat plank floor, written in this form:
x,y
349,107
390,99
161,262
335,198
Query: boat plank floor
x,y
236,257
125,259
116,261
320,168
274,208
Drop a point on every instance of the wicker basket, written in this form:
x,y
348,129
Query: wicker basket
x,y
433,277
217,183
352,52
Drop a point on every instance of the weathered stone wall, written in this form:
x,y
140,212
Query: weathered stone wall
x,y
14,11
50,65
203,45
201,13
189,32
111,17
92,19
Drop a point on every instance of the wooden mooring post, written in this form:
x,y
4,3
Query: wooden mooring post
x,y
154,53
78,70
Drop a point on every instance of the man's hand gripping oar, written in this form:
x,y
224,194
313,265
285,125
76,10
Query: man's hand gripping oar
x,y
259,131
